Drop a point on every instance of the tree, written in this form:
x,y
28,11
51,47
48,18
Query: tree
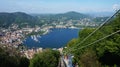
x,y
11,58
48,58
24,62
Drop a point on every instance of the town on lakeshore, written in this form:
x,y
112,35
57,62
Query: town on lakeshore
x,y
14,37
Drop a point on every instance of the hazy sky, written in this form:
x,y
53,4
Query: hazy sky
x,y
58,6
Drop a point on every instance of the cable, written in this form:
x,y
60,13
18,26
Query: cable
x,y
99,27
96,30
100,39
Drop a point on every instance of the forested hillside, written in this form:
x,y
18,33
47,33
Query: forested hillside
x,y
104,53
11,57
19,18
47,58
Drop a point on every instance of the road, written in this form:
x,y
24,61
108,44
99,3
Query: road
x,y
68,60
61,62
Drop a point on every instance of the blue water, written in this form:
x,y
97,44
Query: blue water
x,y
55,39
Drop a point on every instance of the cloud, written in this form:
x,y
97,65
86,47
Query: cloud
x,y
116,6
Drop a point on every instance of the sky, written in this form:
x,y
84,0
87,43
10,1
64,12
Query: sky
x,y
58,6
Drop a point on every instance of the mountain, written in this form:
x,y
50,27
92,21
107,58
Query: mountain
x,y
73,15
22,19
62,17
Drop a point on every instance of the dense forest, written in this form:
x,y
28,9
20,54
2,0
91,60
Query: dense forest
x,y
104,53
48,58
11,57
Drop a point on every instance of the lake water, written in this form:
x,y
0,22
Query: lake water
x,y
56,38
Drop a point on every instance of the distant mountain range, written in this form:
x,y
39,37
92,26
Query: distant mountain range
x,y
23,19
101,14
73,15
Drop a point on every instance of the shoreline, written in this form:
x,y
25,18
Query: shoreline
x,y
38,37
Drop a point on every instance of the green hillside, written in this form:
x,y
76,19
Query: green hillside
x,y
19,18
105,53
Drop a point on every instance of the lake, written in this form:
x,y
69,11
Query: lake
x,y
56,38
